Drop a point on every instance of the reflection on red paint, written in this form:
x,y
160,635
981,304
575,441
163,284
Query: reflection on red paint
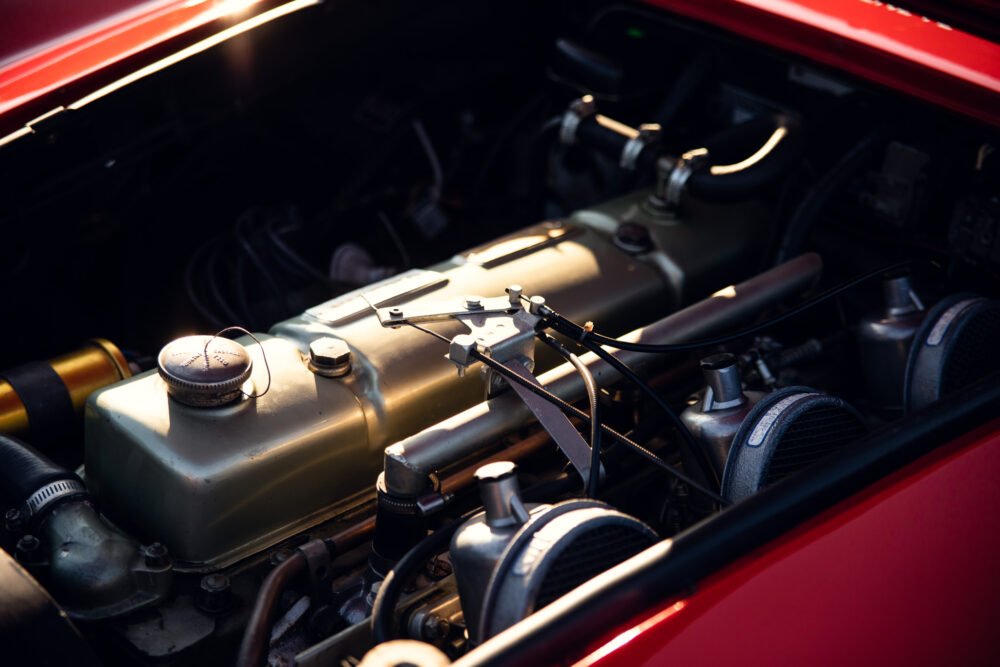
x,y
870,39
864,582
630,634
111,39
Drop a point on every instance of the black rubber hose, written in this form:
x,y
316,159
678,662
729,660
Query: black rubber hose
x,y
803,220
604,138
24,470
389,593
690,80
746,158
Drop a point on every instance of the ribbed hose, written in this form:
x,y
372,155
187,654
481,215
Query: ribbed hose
x,y
24,470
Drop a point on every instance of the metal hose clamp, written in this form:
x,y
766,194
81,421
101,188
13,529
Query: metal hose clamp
x,y
648,133
52,492
681,172
578,110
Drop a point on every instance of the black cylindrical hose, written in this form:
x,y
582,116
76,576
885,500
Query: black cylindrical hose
x,y
747,157
384,608
24,470
608,137
801,224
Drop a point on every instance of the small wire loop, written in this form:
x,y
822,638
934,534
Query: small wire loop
x,y
263,356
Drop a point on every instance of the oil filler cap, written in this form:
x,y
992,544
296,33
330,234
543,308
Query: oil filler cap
x,y
204,371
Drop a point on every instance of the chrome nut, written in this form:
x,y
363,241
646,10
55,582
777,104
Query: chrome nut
x,y
329,357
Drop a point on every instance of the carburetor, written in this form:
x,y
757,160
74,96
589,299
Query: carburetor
x,y
218,457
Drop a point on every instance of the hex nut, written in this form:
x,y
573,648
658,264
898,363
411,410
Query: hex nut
x,y
156,555
329,357
13,520
214,597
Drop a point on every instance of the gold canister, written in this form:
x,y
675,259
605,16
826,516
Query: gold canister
x,y
83,371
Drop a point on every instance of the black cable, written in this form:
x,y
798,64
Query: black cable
x,y
697,451
540,391
213,284
192,289
301,266
428,331
248,249
595,416
569,328
384,607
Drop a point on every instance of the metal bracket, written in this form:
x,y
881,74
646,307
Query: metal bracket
x,y
555,421
448,310
317,557
499,327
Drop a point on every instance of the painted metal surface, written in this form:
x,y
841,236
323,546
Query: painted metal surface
x,y
47,45
903,573
874,40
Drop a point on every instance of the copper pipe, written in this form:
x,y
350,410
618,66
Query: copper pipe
x,y
520,450
254,645
253,648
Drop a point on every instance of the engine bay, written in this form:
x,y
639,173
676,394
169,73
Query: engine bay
x,y
390,332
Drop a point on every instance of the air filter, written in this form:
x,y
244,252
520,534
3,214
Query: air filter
x,y
955,346
554,553
784,433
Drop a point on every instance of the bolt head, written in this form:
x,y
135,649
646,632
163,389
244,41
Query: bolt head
x,y
535,304
214,583
633,238
329,351
473,303
156,555
13,520
214,596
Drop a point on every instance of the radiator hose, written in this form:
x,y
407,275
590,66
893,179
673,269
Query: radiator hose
x,y
30,479
93,569
745,158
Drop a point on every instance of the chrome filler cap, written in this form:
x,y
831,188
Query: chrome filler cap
x,y
201,376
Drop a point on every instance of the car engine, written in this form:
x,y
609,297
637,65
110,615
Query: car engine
x,y
410,335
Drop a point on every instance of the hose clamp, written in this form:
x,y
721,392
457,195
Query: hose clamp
x,y
578,110
649,133
680,173
52,492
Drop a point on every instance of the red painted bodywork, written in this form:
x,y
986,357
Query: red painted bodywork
x,y
904,573
49,45
870,39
